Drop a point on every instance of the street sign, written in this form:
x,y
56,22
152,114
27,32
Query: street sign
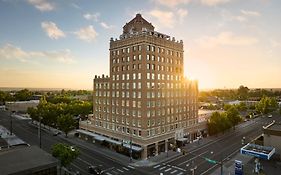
x,y
211,161
238,167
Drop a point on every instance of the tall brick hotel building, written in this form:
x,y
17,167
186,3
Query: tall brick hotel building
x,y
145,105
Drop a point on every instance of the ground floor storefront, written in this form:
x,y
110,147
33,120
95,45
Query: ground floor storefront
x,y
135,151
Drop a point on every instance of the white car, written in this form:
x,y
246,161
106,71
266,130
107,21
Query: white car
x,y
270,116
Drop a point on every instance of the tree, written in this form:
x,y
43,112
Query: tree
x,y
66,123
233,116
23,95
65,153
266,105
243,92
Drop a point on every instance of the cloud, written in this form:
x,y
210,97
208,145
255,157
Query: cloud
x,y
52,30
240,18
226,39
106,26
11,52
250,13
182,13
172,3
213,2
168,18
42,5
94,16
165,18
274,43
87,34
75,6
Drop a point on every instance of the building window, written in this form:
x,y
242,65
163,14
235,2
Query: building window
x,y
139,47
139,57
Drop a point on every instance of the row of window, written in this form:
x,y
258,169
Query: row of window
x,y
137,85
149,94
150,132
148,58
150,48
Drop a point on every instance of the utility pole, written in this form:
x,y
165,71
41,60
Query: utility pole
x,y
39,131
11,123
221,167
131,151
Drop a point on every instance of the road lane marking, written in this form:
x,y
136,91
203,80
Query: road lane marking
x,y
174,171
193,158
114,172
180,173
162,168
178,168
108,173
120,170
125,168
84,161
169,169
156,166
131,167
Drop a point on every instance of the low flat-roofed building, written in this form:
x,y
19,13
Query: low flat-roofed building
x,y
272,136
21,106
27,160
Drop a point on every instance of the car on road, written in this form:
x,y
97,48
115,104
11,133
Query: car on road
x,y
57,133
94,170
270,116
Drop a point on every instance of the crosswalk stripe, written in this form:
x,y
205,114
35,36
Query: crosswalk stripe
x,y
156,166
180,173
120,170
114,172
131,167
125,168
178,168
162,168
108,173
169,169
174,171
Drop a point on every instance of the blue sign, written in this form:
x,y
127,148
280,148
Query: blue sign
x,y
238,167
255,154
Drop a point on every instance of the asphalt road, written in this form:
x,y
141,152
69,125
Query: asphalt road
x,y
221,148
87,157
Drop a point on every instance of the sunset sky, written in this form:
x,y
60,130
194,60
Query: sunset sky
x,y
64,44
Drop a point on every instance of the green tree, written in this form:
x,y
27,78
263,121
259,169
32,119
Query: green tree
x,y
266,105
65,153
33,113
66,123
23,95
243,92
232,115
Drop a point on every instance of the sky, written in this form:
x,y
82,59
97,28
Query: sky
x,y
65,43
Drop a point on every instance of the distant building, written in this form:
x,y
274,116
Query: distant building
x,y
27,161
21,106
146,98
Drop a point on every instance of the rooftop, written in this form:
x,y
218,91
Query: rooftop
x,y
24,159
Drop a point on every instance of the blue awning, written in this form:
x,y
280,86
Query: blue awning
x,y
263,152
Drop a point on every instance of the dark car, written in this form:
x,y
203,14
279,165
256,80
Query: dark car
x,y
94,170
57,133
